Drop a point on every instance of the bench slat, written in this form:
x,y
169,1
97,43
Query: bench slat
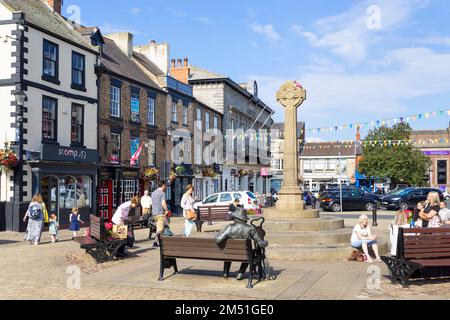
x,y
426,230
213,245
427,255
205,255
84,240
426,246
203,249
427,250
433,262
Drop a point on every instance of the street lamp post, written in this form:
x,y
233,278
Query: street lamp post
x,y
20,98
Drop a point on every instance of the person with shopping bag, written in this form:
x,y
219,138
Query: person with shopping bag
x,y
120,230
187,203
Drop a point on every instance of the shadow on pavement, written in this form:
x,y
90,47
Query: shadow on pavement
x,y
8,241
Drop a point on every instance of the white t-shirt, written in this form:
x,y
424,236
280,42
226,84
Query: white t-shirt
x,y
358,229
444,214
146,202
121,213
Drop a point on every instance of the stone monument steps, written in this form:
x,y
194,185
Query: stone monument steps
x,y
327,223
315,252
323,237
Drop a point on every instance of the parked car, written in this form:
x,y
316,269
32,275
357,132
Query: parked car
x,y
352,200
403,199
246,199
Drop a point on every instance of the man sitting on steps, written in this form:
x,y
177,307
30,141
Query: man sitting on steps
x,y
239,230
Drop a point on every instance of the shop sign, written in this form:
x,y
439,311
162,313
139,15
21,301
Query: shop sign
x,y
437,153
130,174
52,152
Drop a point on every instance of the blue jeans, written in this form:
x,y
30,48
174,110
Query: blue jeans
x,y
359,243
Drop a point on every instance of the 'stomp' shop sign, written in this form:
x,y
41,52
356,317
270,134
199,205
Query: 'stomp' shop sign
x,y
59,153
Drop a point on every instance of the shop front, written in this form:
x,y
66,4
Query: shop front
x,y
117,184
66,178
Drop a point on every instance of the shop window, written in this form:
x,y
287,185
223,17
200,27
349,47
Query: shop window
x,y
75,192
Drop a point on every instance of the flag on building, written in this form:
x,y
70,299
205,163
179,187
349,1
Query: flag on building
x,y
136,155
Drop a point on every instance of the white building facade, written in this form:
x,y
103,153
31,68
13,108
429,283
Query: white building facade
x,y
55,67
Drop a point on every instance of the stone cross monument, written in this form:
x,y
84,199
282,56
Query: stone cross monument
x,y
291,95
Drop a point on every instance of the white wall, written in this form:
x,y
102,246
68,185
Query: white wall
x,y
34,116
6,132
35,55
6,49
5,14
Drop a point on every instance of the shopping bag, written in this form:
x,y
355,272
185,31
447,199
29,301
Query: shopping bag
x,y
120,231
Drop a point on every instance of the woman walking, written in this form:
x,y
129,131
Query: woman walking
x,y
187,203
35,218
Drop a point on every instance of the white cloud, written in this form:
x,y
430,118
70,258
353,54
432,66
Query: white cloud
x,y
436,40
135,10
178,13
348,36
204,20
268,31
400,76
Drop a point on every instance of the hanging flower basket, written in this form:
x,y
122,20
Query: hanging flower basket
x,y
209,173
172,176
243,173
180,170
8,160
151,174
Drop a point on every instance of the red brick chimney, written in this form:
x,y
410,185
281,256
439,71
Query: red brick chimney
x,y
358,134
180,71
56,5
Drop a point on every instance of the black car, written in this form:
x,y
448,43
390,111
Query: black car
x,y
404,199
352,200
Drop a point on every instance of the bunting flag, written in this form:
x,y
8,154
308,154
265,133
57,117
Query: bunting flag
x,y
377,123
346,144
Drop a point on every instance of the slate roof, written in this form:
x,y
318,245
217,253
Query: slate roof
x,y
197,73
41,15
116,61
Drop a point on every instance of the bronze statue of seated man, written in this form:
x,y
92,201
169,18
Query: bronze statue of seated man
x,y
239,230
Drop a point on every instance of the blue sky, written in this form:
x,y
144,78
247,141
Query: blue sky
x,y
358,60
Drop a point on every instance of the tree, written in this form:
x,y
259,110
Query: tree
x,y
401,163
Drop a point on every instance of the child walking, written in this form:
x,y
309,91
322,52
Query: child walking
x,y
53,228
74,221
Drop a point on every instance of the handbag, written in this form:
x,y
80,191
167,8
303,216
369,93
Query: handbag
x,y
120,232
191,215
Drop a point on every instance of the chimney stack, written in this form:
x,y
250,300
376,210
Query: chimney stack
x,y
56,5
181,70
158,53
124,40
358,134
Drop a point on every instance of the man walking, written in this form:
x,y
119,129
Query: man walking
x,y
159,209
146,203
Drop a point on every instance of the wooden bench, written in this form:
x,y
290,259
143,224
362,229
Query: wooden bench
x,y
96,244
210,214
180,247
138,223
421,253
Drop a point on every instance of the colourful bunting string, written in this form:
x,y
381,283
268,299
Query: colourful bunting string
x,y
372,123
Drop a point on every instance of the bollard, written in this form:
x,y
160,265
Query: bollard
x,y
374,216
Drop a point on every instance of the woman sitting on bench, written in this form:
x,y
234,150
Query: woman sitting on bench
x,y
362,238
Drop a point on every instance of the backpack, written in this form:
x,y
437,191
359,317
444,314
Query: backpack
x,y
35,211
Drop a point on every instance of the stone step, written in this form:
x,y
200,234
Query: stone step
x,y
325,223
314,252
326,237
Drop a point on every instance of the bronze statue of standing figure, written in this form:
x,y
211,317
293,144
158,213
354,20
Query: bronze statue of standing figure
x,y
239,230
